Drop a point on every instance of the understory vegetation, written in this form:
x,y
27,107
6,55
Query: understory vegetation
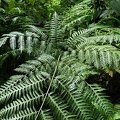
x,y
59,60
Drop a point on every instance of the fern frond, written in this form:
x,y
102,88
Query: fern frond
x,y
28,85
77,14
29,100
70,77
97,50
79,20
31,114
36,30
100,35
3,41
46,115
106,39
67,98
26,70
17,38
24,40
28,114
99,101
77,104
58,105
67,77
96,93
101,56
53,29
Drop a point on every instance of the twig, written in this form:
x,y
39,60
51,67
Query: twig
x,y
48,88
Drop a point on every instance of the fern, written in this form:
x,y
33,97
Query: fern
x,y
101,56
99,34
57,104
22,41
25,69
52,87
64,96
78,14
53,29
46,115
98,50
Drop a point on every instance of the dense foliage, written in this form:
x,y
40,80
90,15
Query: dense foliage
x,y
59,59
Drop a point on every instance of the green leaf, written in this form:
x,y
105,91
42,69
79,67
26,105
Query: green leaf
x,y
115,4
11,4
32,2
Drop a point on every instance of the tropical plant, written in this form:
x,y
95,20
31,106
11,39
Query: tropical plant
x,y
107,12
79,16
15,18
54,85
115,5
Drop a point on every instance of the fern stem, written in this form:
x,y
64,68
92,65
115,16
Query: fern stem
x,y
48,87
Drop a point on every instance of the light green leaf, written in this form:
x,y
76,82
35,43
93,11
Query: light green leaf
x,y
11,4
32,2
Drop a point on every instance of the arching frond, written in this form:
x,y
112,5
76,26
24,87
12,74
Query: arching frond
x,y
101,56
22,96
23,41
78,14
58,105
46,115
98,34
97,48
26,69
53,29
